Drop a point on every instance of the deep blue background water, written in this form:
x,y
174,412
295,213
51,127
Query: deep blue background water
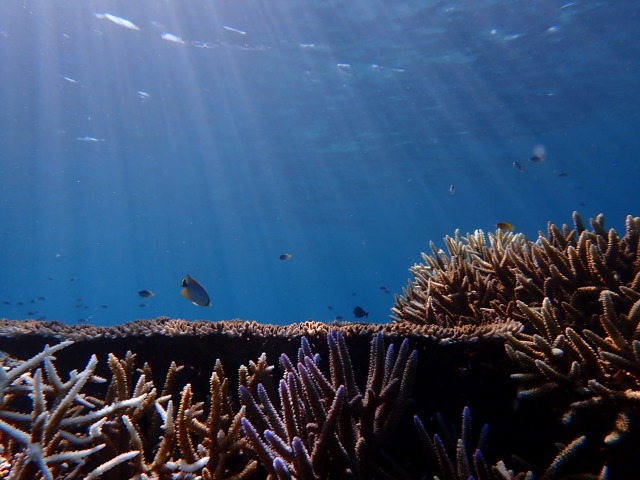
x,y
250,145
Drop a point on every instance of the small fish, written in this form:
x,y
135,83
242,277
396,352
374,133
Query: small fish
x,y
285,256
199,44
193,291
69,79
518,167
143,95
505,226
235,30
6,302
329,307
146,293
90,139
538,154
123,22
104,306
142,305
170,37
359,312
452,189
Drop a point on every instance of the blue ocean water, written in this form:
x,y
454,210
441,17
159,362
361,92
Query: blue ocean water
x,y
210,137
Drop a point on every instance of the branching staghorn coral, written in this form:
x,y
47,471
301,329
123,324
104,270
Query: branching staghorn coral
x,y
576,294
55,430
457,455
130,431
591,373
323,427
471,285
480,284
49,427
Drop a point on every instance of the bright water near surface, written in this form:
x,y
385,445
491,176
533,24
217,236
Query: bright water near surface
x,y
144,140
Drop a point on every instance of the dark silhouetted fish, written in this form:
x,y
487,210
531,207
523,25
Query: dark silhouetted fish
x,y
518,167
359,312
285,256
146,293
193,291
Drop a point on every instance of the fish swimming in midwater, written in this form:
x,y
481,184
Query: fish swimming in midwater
x,y
518,167
359,312
123,22
285,256
235,30
146,293
170,37
538,154
452,189
194,292
505,226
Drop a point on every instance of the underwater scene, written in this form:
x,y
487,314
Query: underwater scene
x,y
319,239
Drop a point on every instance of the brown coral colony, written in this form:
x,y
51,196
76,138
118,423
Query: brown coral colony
x,y
539,339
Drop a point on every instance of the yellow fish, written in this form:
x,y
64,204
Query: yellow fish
x,y
194,292
505,226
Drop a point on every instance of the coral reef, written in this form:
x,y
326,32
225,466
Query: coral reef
x,y
576,294
472,285
335,412
541,340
